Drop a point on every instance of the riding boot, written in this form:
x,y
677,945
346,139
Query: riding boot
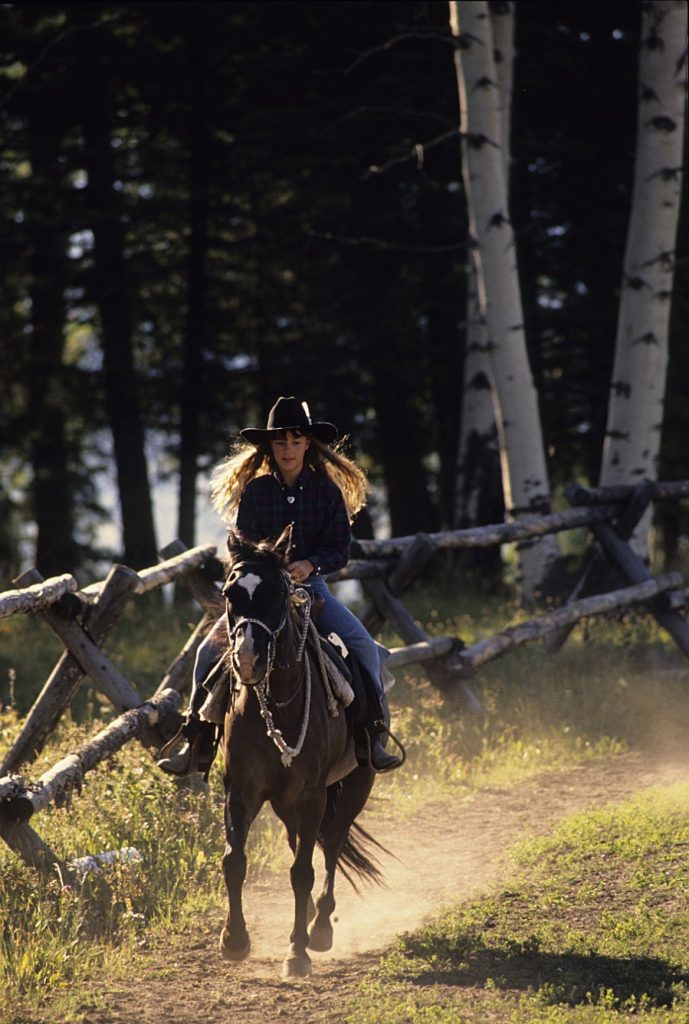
x,y
369,749
197,753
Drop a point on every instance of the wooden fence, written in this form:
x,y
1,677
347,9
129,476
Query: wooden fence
x,y
84,618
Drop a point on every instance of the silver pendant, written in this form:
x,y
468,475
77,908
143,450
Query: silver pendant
x,y
290,498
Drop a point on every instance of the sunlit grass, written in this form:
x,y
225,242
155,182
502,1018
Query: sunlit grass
x,y
593,929
616,685
51,935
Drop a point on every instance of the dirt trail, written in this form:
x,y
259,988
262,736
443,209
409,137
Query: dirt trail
x,y
446,853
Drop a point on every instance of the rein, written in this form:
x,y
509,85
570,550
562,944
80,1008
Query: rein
x,y
262,688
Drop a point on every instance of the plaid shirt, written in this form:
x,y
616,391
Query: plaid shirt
x,y
317,509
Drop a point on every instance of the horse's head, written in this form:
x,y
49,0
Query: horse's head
x,y
257,591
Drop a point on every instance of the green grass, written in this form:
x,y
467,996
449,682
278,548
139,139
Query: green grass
x,y
596,698
593,929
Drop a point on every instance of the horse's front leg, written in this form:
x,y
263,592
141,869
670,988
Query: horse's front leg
x,y
298,964
235,943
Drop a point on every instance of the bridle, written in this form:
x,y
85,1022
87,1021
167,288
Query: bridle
x,y
262,687
245,620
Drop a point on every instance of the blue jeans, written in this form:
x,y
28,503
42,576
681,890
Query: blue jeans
x,y
334,618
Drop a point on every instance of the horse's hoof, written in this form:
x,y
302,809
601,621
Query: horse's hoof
x,y
234,952
321,938
296,967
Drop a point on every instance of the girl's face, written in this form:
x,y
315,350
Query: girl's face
x,y
288,451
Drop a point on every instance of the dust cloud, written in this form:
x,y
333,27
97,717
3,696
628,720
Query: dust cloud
x,y
447,853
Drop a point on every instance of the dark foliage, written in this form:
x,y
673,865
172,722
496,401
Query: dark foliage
x,y
206,205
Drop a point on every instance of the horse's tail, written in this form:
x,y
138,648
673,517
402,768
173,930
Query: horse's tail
x,y
356,859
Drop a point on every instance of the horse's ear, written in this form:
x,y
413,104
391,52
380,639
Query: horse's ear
x,y
234,543
284,542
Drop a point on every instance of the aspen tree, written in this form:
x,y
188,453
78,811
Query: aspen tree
x,y
637,390
478,441
522,456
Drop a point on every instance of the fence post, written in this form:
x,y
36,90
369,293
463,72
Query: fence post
x,y
178,676
65,679
387,605
93,661
412,562
594,559
636,572
27,843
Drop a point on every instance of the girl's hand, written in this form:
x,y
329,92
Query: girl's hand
x,y
300,571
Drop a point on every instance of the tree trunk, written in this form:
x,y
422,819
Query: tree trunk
x,y
477,498
445,359
111,292
524,473
399,439
637,391
398,372
478,489
195,332
52,486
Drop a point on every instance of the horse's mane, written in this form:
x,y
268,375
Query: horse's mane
x,y
240,548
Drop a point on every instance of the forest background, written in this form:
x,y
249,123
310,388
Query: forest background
x,y
206,205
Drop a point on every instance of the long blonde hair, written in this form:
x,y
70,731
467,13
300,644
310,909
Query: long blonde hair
x,y
248,461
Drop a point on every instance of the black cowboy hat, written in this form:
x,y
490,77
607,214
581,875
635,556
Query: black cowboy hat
x,y
291,414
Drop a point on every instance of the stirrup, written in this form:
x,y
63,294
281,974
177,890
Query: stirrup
x,y
181,763
165,750
393,760
185,761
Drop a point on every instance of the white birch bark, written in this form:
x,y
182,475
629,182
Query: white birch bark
x,y
637,390
478,440
502,25
522,456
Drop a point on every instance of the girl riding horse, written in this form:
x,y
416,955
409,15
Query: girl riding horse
x,y
289,473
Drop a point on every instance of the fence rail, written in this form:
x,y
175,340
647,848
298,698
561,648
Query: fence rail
x,y
36,597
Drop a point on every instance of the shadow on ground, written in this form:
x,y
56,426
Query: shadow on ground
x,y
567,978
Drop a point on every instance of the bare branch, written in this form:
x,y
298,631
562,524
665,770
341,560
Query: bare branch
x,y
383,244
425,115
415,153
402,37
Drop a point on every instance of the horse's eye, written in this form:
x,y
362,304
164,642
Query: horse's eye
x,y
231,580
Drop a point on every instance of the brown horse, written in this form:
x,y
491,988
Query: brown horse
x,y
282,745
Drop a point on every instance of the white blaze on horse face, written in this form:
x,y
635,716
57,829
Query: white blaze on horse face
x,y
246,658
249,583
